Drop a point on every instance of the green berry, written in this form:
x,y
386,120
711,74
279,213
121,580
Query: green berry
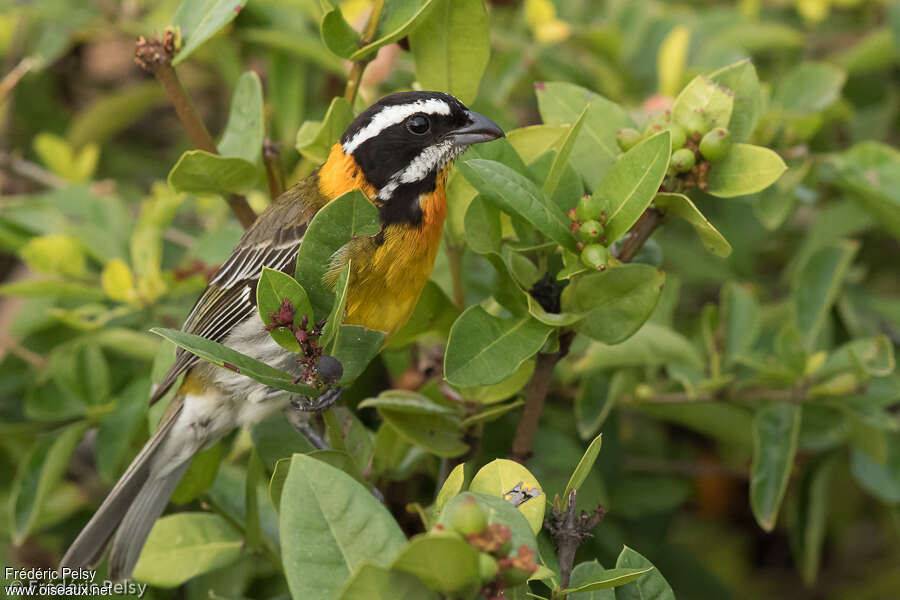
x,y
679,135
594,256
628,138
683,160
467,517
487,567
715,144
589,208
590,230
694,123
444,532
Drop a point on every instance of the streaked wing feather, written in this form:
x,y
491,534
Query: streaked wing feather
x,y
230,297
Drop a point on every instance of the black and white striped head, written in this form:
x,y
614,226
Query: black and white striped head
x,y
404,140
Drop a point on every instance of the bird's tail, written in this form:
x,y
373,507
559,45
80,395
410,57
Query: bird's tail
x,y
129,511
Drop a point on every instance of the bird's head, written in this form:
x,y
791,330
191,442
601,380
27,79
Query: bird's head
x,y
404,141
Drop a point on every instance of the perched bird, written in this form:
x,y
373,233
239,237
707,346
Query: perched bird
x,y
398,153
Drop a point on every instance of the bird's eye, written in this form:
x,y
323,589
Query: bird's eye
x,y
418,124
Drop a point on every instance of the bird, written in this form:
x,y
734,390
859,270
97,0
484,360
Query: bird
x,y
398,153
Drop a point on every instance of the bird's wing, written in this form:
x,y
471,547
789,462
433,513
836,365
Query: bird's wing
x,y
230,298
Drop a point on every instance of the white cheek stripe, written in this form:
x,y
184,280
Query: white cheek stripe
x,y
392,115
430,159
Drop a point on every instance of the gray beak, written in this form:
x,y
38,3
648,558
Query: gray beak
x,y
480,129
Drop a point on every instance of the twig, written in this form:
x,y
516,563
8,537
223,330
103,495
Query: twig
x,y
31,171
569,529
537,394
640,233
155,56
12,79
356,71
271,153
454,256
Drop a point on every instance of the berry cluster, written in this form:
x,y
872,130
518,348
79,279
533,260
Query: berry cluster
x,y
497,566
319,368
588,222
695,144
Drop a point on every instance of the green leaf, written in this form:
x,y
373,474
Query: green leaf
x,y
245,129
810,87
371,582
867,356
451,487
704,95
113,112
271,290
82,371
583,469
338,309
726,423
440,435
610,578
483,349
338,222
743,82
653,344
816,286
185,545
200,172
52,288
303,47
232,360
631,183
407,401
596,148
119,428
355,347
199,476
561,159
337,35
39,473
398,19
199,20
444,564
652,586
809,512
746,169
500,476
585,573
881,478
330,527
451,48
776,429
517,195
500,391
870,171
616,302
741,317
535,140
491,413
681,206
315,138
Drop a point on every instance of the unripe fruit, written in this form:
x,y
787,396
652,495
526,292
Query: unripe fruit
x,y
468,518
694,123
443,532
628,138
679,135
594,256
589,208
683,160
654,127
590,230
487,567
715,144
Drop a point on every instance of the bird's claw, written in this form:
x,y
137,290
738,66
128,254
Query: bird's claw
x,y
319,403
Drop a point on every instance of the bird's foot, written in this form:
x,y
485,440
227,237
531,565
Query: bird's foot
x,y
319,403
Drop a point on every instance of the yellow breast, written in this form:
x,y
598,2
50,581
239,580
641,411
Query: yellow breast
x,y
386,279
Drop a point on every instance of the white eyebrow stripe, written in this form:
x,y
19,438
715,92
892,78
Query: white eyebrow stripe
x,y
429,160
392,115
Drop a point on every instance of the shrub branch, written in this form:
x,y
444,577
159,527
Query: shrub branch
x,y
356,71
155,56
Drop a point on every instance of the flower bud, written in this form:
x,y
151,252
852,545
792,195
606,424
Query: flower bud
x,y
628,138
715,144
683,160
594,256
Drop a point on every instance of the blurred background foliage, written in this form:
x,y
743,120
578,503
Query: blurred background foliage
x,y
97,248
